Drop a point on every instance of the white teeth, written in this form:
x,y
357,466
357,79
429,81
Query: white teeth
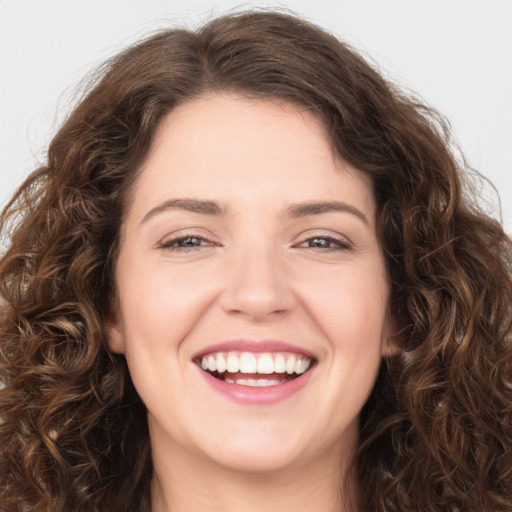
x,y
301,366
221,363
267,382
290,365
255,383
248,363
279,364
233,364
265,364
251,363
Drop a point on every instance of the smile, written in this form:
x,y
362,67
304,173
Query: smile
x,y
255,369
250,372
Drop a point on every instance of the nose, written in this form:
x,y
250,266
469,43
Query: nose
x,y
257,286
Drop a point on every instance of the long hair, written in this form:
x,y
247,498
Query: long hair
x,y
436,432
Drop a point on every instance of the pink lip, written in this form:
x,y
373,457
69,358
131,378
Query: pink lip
x,y
265,395
256,347
249,395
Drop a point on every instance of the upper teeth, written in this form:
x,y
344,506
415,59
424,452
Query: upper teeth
x,y
249,362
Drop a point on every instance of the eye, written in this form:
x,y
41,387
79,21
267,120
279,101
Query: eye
x,y
186,243
326,243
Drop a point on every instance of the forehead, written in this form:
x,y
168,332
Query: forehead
x,y
237,149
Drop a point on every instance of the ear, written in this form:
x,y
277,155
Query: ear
x,y
393,340
391,346
115,334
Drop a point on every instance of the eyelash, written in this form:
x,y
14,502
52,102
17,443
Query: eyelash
x,y
335,244
171,245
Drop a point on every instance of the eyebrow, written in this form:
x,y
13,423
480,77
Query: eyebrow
x,y
316,208
298,210
190,205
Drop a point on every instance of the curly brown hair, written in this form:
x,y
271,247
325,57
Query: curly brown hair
x,y
436,433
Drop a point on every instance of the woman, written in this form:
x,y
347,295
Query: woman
x,y
249,278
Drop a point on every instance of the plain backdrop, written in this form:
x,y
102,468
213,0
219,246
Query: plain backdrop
x,y
456,54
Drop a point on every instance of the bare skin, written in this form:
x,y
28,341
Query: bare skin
x,y
244,226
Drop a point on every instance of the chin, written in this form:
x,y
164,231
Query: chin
x,y
255,460
264,449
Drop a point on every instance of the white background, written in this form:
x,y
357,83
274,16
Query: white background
x,y
457,54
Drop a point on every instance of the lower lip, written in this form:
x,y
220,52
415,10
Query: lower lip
x,y
257,395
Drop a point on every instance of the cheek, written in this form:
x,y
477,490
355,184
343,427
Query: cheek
x,y
160,304
158,310
350,305
351,310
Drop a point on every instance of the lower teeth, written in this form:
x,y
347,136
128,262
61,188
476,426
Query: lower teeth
x,y
254,382
251,380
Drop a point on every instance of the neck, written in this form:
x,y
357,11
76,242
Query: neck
x,y
184,485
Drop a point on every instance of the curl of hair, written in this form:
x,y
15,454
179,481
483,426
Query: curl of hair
x,y
436,432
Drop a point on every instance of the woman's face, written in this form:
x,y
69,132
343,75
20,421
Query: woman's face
x,y
252,291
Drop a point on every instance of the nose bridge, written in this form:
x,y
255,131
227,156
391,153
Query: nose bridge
x,y
257,281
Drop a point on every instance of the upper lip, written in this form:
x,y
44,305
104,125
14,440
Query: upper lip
x,y
254,346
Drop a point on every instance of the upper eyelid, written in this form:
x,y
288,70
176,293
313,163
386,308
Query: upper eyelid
x,y
195,232
323,233
169,240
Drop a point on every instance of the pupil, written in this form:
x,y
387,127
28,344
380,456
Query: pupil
x,y
189,242
320,242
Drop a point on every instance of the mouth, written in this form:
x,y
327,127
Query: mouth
x,y
251,369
